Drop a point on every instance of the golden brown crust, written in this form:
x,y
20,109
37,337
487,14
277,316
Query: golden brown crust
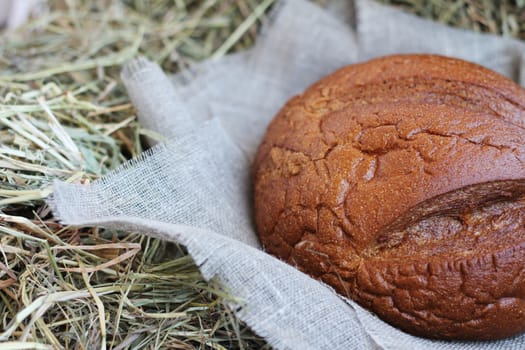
x,y
399,182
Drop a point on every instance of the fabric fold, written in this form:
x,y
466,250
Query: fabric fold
x,y
384,30
198,179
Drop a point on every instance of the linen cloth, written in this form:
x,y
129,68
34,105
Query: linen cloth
x,y
14,13
195,188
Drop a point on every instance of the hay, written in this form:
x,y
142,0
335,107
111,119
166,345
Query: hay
x,y
499,17
64,114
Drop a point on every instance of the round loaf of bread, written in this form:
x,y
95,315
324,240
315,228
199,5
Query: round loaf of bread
x,y
400,183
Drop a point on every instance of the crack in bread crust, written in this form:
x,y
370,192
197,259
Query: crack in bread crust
x,y
400,182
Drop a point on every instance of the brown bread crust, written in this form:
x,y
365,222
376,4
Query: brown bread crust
x,y
400,182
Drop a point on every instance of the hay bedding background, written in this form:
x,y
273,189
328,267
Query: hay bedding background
x,y
64,114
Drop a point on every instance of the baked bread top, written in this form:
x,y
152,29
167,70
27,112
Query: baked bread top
x,y
399,182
